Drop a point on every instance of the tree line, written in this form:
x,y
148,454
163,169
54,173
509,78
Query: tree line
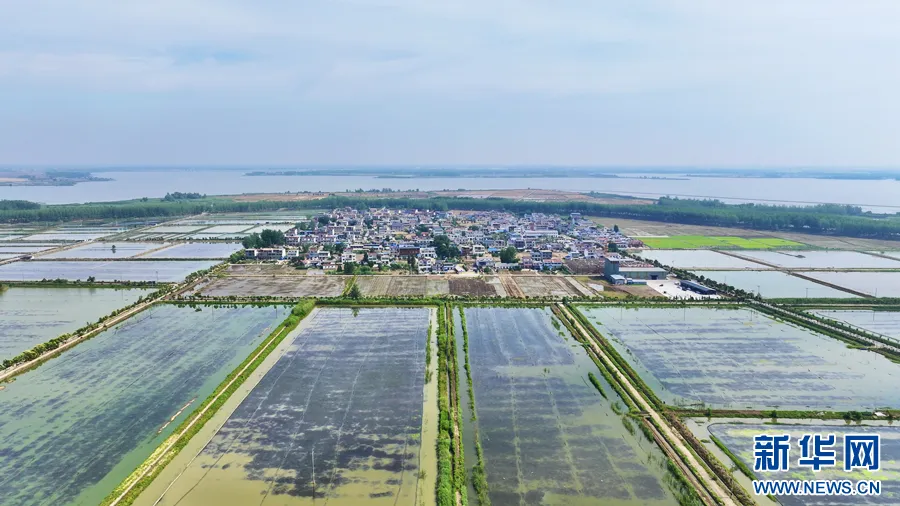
x,y
824,219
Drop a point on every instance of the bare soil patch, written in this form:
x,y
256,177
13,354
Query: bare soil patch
x,y
471,287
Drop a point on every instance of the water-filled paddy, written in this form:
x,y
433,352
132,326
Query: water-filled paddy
x,y
197,250
123,270
775,284
881,322
823,259
685,259
336,420
548,435
24,250
73,428
739,439
31,316
880,284
105,250
68,236
227,229
739,359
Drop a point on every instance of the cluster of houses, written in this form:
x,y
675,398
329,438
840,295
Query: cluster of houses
x,y
405,238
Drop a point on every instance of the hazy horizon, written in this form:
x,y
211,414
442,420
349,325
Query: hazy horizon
x,y
804,84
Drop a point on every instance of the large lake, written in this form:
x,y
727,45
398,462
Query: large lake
x,y
877,195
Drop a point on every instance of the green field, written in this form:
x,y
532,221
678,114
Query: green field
x,y
724,242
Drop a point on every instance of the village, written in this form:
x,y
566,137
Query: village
x,y
446,242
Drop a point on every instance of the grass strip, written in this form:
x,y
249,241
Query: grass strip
x,y
479,475
596,383
734,458
141,478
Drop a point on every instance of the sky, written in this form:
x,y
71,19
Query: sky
x,y
422,82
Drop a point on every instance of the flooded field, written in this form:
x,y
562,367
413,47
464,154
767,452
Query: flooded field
x,y
337,420
549,438
271,286
73,428
882,322
775,284
106,250
823,259
197,250
739,439
71,236
22,250
31,316
741,359
136,270
698,259
878,284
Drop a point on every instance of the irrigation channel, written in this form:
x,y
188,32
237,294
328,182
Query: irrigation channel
x,y
335,417
548,435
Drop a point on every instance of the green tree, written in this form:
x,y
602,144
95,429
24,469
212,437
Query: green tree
x,y
508,255
615,228
444,248
612,247
266,239
350,268
354,292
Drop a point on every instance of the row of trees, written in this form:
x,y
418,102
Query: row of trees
x,y
265,239
825,219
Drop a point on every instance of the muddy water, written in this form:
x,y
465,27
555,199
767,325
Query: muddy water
x,y
548,436
337,420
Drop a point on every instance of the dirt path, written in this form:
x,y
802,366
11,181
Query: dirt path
x,y
696,469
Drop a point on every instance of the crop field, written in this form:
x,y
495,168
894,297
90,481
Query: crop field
x,y
72,429
282,286
135,270
336,420
698,259
548,435
31,316
104,250
742,359
881,322
705,241
197,250
543,286
776,284
738,438
879,284
824,259
404,286
471,287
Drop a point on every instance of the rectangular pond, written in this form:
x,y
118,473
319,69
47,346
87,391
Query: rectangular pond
x,y
738,438
31,316
823,259
105,250
881,322
548,436
197,250
75,427
742,359
124,270
775,284
685,259
879,284
337,420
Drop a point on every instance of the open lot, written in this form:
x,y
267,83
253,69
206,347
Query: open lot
x,y
471,287
547,286
337,419
31,316
698,259
122,270
548,436
74,428
275,286
742,359
775,284
706,241
738,438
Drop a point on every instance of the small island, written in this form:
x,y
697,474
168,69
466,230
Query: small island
x,y
47,177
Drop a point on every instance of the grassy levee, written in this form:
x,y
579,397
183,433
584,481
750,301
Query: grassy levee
x,y
596,383
479,475
445,481
134,484
671,416
734,458
459,459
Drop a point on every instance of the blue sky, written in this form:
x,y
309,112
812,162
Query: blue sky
x,y
586,82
